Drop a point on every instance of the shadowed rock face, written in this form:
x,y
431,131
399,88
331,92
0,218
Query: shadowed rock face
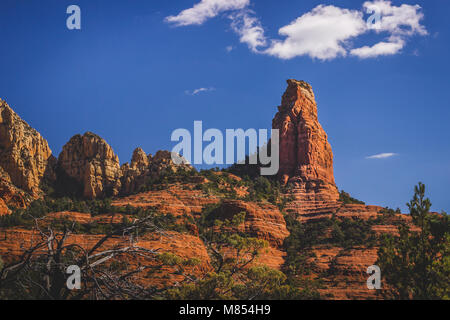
x,y
306,159
24,154
89,160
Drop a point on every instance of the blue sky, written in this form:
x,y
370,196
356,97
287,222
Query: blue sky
x,y
130,75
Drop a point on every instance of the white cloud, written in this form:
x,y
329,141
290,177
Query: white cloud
x,y
198,91
320,33
399,22
249,29
323,33
204,10
379,49
382,156
402,20
229,48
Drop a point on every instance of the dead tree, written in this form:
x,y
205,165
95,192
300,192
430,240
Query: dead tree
x,y
40,272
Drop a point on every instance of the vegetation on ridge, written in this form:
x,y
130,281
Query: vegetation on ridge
x,y
416,265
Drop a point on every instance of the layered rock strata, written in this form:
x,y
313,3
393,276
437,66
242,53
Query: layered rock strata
x,y
306,158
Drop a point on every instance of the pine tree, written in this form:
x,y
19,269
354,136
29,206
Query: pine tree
x,y
416,264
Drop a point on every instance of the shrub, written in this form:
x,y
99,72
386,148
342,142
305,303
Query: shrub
x,y
347,199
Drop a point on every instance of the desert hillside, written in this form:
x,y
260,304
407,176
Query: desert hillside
x,y
161,230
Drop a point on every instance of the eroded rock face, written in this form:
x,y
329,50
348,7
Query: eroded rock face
x,y
24,154
304,149
144,168
139,159
162,162
263,221
3,208
89,160
306,158
11,195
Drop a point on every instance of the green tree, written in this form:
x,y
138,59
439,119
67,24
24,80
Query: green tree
x,y
235,275
416,264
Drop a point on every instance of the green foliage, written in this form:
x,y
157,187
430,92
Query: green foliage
x,y
389,212
266,189
347,199
259,188
220,184
299,261
247,171
344,232
232,252
221,235
348,233
40,208
305,235
168,176
416,265
256,283
215,286
265,283
170,259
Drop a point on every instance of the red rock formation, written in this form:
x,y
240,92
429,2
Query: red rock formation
x,y
263,221
175,200
10,194
140,159
144,167
24,154
92,162
134,175
306,165
343,272
306,159
3,207
304,149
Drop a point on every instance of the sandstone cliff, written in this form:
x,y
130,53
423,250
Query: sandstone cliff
x,y
263,221
306,158
90,161
304,148
10,195
25,156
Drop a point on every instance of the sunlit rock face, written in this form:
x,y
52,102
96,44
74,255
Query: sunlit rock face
x,y
25,157
306,158
90,160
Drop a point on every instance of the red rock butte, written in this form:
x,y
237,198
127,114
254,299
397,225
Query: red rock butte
x,y
306,158
88,165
